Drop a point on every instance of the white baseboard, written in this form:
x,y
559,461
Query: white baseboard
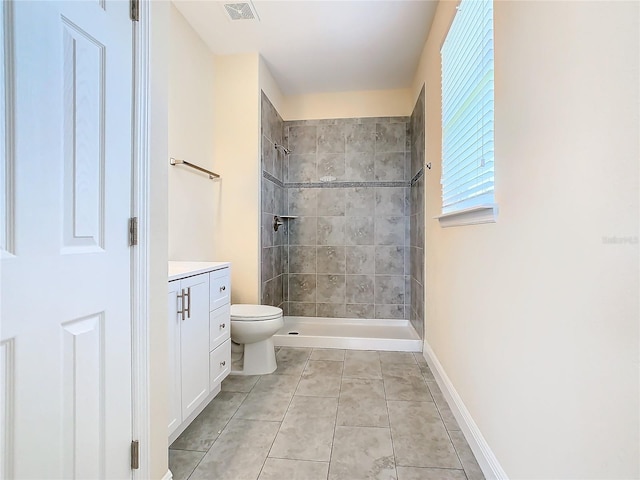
x,y
479,446
168,475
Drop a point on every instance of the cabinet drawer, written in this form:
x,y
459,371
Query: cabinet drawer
x,y
220,288
219,326
219,364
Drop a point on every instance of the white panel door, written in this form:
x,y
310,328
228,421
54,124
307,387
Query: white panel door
x,y
65,338
194,343
174,305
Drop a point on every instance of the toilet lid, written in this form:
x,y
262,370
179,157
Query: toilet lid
x,y
244,312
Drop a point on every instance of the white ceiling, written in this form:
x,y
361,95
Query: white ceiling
x,y
322,46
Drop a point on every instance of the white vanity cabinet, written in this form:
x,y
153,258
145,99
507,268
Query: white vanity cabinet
x,y
199,341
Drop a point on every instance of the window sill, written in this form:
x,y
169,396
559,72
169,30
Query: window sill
x,y
470,216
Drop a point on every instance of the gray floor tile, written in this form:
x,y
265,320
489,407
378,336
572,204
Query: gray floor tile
x,y
183,462
404,382
359,364
362,403
307,430
420,438
239,383
419,357
469,462
269,398
362,453
324,367
203,431
266,406
239,452
281,468
397,357
318,385
277,383
427,373
445,412
327,354
418,473
291,361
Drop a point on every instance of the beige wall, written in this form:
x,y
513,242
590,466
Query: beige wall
x,y
158,347
191,111
270,87
374,103
535,318
237,160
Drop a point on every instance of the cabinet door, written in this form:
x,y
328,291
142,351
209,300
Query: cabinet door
x,y
194,342
175,407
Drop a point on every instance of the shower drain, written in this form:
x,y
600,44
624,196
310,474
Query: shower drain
x,y
293,333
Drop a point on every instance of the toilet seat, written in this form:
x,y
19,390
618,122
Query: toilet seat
x,y
254,313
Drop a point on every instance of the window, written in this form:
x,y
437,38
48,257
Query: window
x,y
467,116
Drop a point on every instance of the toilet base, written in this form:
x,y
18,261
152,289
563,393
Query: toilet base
x,y
259,359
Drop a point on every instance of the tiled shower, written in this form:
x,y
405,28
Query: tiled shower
x,y
353,248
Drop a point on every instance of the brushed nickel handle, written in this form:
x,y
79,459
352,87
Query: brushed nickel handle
x,y
188,309
182,311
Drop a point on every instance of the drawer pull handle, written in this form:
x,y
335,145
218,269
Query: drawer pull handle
x,y
223,363
223,288
222,325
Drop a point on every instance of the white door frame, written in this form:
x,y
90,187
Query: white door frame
x,y
140,254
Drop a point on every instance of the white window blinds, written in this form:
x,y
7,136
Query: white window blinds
x,y
467,108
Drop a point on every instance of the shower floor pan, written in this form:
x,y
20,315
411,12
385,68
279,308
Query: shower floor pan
x,y
348,333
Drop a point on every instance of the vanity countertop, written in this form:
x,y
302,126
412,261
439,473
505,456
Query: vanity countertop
x,y
179,270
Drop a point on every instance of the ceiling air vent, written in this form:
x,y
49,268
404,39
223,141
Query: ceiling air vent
x,y
241,11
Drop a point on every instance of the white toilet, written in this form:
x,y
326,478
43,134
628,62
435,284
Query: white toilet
x,y
253,326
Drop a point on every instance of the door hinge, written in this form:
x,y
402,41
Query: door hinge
x,y
135,454
133,231
135,10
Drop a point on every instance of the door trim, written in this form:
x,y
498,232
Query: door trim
x,y
140,294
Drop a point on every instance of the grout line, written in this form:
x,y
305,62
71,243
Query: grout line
x,y
221,430
335,423
386,404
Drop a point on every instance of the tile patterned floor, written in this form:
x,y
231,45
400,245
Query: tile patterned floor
x,y
330,415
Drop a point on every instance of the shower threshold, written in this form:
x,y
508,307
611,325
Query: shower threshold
x,y
348,333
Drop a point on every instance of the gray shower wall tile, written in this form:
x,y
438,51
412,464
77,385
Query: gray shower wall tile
x,y
302,288
330,289
360,202
390,312
331,310
389,289
331,139
360,289
390,201
331,202
302,201
360,138
301,168
302,259
359,167
331,259
303,231
390,230
330,167
390,137
359,231
303,139
389,167
360,310
360,259
331,231
389,260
